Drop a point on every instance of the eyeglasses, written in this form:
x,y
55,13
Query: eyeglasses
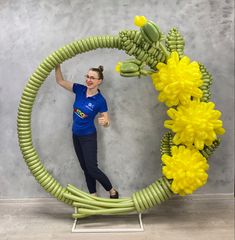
x,y
90,77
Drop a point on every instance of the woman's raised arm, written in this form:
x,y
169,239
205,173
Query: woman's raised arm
x,y
60,80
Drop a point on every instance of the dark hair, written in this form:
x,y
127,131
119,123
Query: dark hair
x,y
99,70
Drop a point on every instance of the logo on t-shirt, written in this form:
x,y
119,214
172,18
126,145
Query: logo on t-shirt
x,y
90,106
80,113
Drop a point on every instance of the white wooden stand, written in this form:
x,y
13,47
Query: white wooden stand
x,y
107,230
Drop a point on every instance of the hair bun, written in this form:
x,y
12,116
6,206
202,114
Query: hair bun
x,y
101,68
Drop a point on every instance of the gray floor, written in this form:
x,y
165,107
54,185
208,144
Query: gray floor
x,y
189,218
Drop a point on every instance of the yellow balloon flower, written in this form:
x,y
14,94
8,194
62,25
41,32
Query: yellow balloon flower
x,y
187,168
178,80
195,124
140,21
118,66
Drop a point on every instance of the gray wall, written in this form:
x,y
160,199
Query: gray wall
x,y
129,149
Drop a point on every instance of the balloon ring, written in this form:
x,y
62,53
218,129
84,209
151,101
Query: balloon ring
x,y
183,86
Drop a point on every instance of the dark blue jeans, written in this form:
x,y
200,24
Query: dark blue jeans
x,y
86,150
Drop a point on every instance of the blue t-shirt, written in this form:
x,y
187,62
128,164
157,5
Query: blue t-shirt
x,y
85,109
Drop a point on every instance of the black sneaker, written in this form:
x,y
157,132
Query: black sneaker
x,y
116,195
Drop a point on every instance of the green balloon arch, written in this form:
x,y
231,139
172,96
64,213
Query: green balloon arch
x,y
149,47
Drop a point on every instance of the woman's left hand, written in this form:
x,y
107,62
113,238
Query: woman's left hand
x,y
103,120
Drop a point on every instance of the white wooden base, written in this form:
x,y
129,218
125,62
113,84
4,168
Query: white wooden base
x,y
107,230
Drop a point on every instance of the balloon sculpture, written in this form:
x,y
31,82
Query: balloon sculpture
x,y
183,85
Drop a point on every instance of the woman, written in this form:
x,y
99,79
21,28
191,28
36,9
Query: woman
x,y
88,103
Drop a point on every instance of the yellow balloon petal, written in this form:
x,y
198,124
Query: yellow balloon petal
x,y
220,131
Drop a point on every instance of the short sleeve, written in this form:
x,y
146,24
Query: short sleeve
x,y
103,106
77,87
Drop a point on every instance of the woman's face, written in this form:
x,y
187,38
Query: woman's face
x,y
92,80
